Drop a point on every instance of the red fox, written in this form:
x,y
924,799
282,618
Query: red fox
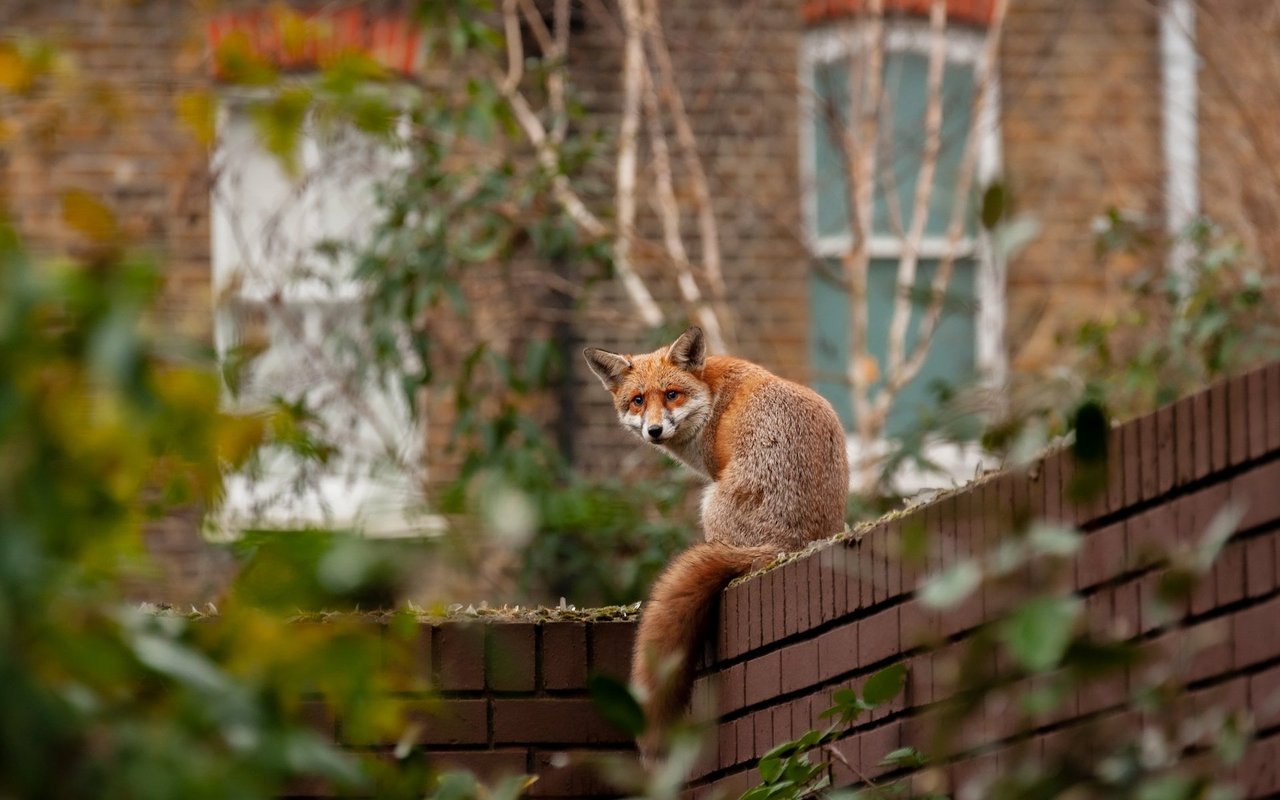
x,y
774,452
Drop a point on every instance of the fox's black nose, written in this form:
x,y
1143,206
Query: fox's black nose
x,y
655,431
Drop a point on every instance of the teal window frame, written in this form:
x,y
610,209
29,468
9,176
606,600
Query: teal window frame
x,y
975,296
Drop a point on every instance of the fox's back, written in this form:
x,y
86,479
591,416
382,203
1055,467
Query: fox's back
x,y
777,451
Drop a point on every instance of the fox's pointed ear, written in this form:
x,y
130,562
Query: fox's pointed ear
x,y
689,352
608,367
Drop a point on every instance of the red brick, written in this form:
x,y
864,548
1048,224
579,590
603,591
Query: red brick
x,y
1115,470
765,621
1228,574
731,688
878,637
460,650
1165,453
851,774
762,721
803,716
763,678
754,622
1273,407
877,743
1195,511
893,550
866,578
1255,634
511,657
1259,772
1203,433
1149,456
1184,454
443,722
730,785
838,651
1213,649
725,622
552,720
1260,565
827,571
778,605
1132,463
564,655
488,765
919,688
1149,535
564,774
1102,556
1102,692
728,744
611,644
798,588
1259,490
746,736
781,715
1257,402
815,590
1237,421
843,560
734,641
800,665
1219,426
1264,698
1125,624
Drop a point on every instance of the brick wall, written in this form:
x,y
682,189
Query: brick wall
x,y
1080,124
735,64
789,637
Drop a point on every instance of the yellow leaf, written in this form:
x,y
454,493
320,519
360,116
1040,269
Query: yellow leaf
x,y
15,73
238,437
868,370
88,216
197,110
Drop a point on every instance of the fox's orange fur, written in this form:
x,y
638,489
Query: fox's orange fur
x,y
774,452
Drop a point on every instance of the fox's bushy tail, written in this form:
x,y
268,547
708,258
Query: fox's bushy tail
x,y
674,622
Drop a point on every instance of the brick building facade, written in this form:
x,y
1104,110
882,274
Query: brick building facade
x,y
1081,127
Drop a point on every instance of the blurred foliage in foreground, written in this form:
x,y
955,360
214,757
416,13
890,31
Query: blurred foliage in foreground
x,y
102,428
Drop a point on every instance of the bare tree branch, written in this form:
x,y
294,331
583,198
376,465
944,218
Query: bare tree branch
x,y
859,156
986,69
708,228
639,294
910,259
669,214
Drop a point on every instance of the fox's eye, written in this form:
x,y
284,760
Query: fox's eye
x,y
672,394
638,400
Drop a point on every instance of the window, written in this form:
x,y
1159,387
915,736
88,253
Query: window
x,y
967,341
280,291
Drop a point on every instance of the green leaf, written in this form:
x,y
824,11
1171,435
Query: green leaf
x,y
1217,533
1038,632
949,587
1054,540
904,757
1167,787
885,685
770,768
615,702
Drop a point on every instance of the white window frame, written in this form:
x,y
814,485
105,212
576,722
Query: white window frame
x,y
341,499
846,39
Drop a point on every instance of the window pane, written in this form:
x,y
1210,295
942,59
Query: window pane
x,y
951,357
902,142
831,107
